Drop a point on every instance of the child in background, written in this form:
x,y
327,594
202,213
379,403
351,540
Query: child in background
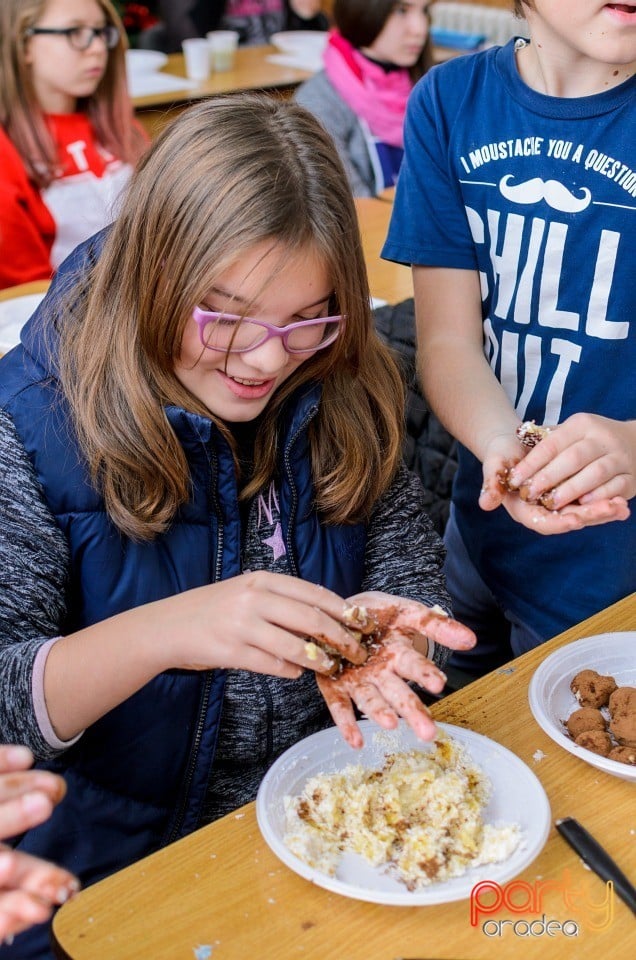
x,y
255,20
29,887
202,435
516,205
68,138
374,56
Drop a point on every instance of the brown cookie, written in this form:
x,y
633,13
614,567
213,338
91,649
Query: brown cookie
x,y
592,689
595,740
586,718
623,755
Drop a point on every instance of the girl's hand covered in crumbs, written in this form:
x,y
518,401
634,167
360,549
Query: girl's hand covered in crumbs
x,y
398,653
29,887
581,474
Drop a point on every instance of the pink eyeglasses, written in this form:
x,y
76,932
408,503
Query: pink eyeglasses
x,y
228,333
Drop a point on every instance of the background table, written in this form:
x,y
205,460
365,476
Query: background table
x,y
221,888
16,305
389,281
251,71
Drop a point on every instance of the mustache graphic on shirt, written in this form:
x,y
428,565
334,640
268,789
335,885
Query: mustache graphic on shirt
x,y
554,193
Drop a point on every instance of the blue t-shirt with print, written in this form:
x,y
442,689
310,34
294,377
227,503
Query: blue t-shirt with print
x,y
538,194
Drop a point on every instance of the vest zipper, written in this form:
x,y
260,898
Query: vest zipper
x,y
207,686
311,413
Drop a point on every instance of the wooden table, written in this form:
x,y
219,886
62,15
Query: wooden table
x,y
388,281
251,71
24,289
221,888
14,315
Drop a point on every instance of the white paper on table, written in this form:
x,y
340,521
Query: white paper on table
x,y
145,84
13,315
299,61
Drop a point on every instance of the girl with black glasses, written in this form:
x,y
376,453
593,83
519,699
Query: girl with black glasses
x,y
68,138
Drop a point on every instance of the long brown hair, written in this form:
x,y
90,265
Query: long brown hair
x,y
226,175
109,108
362,21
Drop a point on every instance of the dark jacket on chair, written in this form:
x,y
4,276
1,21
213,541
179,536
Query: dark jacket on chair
x,y
429,449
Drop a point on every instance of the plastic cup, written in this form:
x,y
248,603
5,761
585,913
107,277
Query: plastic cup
x,y
222,45
196,54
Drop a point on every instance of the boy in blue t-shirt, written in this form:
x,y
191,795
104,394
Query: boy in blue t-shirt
x,y
516,206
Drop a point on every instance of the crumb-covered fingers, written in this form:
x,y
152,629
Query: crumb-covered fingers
x,y
384,697
341,709
339,642
571,474
372,702
19,783
400,618
19,911
379,688
14,757
385,704
500,459
29,889
408,705
587,456
602,511
27,797
24,812
40,878
573,517
538,505
406,662
442,629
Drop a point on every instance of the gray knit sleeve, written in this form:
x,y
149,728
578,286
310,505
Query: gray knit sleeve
x,y
319,97
34,560
404,554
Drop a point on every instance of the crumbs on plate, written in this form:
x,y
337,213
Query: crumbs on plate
x,y
419,816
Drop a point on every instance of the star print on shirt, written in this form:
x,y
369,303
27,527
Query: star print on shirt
x,y
276,542
268,513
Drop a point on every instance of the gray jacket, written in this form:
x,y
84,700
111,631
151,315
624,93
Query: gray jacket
x,y
319,97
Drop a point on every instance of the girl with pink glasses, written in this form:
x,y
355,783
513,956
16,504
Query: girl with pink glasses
x,y
202,478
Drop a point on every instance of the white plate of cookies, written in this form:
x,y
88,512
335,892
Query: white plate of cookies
x,y
584,697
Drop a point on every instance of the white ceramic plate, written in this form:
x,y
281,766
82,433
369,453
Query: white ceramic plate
x,y
552,701
517,797
300,41
145,61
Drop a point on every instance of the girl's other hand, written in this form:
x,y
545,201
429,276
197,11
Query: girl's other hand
x,y
29,890
378,688
260,622
29,887
582,465
586,459
27,797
